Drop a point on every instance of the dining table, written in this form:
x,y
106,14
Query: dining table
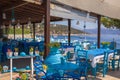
x,y
96,55
61,68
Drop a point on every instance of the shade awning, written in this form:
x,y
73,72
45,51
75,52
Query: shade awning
x,y
109,8
70,13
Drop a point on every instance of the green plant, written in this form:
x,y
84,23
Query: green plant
x,y
54,44
105,43
16,49
20,73
24,76
41,53
1,68
31,49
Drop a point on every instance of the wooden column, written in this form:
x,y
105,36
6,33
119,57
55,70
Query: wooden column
x,y
69,31
22,32
1,21
34,31
14,31
47,27
99,31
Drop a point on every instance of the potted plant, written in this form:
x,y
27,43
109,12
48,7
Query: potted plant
x,y
36,51
1,69
24,76
44,67
5,68
16,52
9,53
54,46
41,55
105,44
31,51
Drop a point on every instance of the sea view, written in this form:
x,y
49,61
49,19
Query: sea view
x,y
93,37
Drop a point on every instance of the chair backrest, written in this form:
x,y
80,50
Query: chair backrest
x,y
82,54
116,53
38,66
105,58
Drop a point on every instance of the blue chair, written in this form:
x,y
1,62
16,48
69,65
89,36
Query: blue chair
x,y
102,66
82,61
112,45
39,69
115,61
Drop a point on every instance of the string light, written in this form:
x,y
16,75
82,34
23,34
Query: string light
x,y
77,23
4,16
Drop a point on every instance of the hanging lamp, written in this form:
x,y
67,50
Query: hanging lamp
x,y
42,22
77,23
84,24
13,17
29,23
18,24
54,25
4,16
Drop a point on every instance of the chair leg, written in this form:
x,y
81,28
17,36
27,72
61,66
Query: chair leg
x,y
118,64
113,65
94,72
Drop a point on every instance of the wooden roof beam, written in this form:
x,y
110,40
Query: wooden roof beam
x,y
39,2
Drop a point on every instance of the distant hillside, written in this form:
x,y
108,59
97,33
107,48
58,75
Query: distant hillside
x,y
60,29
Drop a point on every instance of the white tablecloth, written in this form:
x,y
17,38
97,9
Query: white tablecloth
x,y
96,59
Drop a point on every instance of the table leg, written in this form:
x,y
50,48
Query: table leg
x,y
32,70
11,68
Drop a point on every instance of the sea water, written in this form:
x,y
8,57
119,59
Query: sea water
x,y
90,37
104,37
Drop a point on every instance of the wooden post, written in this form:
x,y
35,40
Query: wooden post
x,y
6,30
47,27
99,31
22,32
69,31
1,21
14,31
34,31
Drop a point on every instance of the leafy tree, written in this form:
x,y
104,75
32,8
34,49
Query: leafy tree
x,y
110,22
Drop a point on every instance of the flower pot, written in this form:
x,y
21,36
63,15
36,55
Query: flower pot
x,y
36,52
31,53
53,50
41,58
15,53
9,54
5,68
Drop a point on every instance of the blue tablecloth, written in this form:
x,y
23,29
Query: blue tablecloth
x,y
98,52
64,66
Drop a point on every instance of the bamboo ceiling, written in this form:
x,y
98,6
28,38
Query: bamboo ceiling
x,y
24,10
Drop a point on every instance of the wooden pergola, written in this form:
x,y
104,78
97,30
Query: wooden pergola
x,y
35,10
